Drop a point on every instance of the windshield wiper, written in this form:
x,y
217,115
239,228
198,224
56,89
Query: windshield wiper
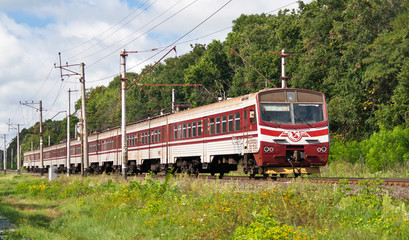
x,y
269,118
302,120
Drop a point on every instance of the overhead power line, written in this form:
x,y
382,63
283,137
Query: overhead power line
x,y
136,38
107,30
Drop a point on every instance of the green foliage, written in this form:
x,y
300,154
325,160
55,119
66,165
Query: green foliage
x,y
382,151
187,208
387,148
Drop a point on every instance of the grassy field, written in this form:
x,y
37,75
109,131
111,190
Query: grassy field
x,y
105,207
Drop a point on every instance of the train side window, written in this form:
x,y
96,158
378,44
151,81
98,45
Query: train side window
x,y
245,115
211,126
199,128
189,130
224,124
160,135
156,135
217,125
193,129
230,122
175,132
237,121
72,150
179,131
184,131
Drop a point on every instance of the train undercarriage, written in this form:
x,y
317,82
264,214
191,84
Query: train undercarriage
x,y
193,166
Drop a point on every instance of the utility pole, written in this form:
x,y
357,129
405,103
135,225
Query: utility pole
x,y
123,116
173,100
41,139
84,121
4,155
40,109
69,132
11,159
84,142
283,77
123,55
18,150
11,125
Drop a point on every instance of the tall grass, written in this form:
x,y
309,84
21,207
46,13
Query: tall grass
x,y
106,207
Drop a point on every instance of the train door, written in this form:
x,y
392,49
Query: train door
x,y
250,130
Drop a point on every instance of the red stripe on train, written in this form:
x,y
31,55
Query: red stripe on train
x,y
275,133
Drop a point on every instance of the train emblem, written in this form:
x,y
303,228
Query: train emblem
x,y
294,136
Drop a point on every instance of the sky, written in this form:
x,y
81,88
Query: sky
x,y
93,32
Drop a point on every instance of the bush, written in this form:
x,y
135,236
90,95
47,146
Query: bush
x,y
384,150
387,148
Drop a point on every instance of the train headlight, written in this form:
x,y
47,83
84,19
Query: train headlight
x,y
268,149
291,96
321,149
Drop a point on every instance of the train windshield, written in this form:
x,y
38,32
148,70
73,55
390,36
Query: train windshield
x,y
292,113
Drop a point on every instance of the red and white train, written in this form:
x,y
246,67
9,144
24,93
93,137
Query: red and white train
x,y
274,131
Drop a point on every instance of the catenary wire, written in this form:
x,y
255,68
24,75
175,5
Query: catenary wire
x,y
107,30
149,30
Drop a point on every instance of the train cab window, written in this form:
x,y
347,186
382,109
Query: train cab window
x,y
199,128
211,126
193,129
184,131
245,115
230,122
217,125
224,124
279,113
189,130
237,121
308,113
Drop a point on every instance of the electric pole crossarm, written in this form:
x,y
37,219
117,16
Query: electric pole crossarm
x,y
66,68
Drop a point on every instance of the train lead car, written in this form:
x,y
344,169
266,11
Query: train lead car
x,y
276,131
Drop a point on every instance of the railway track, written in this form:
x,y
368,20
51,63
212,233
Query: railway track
x,y
391,182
